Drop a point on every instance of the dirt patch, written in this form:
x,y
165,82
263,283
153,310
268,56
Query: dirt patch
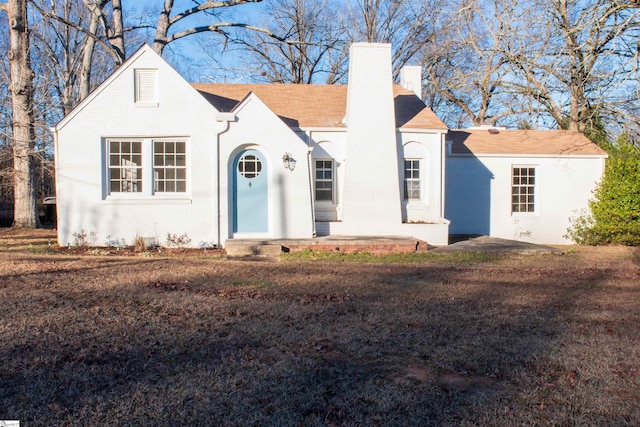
x,y
193,340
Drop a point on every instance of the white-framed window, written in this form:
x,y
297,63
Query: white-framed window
x,y
323,183
249,166
169,166
125,166
146,166
146,87
523,189
412,179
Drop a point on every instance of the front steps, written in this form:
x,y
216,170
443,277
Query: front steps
x,y
252,248
270,248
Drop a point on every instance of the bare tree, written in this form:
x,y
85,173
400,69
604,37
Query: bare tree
x,y
407,24
112,40
6,152
23,138
318,56
169,20
323,31
114,31
578,61
57,53
464,66
57,59
571,64
105,28
86,24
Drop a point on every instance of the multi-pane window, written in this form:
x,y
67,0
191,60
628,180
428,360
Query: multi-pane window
x,y
169,166
249,166
523,189
324,180
125,166
146,166
412,179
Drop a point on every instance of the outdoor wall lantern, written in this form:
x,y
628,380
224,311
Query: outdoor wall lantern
x,y
288,162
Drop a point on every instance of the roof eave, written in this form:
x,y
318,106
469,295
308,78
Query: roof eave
x,y
520,155
422,130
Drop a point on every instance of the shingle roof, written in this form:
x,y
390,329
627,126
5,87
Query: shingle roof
x,y
522,142
315,105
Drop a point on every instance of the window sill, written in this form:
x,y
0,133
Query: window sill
x,y
524,214
147,200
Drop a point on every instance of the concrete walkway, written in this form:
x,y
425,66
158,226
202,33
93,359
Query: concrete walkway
x,y
496,245
240,248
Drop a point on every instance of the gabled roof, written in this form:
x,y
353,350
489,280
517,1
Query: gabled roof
x,y
315,106
522,142
143,50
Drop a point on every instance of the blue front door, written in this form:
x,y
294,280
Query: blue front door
x,y
250,201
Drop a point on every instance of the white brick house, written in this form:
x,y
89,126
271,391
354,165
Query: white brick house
x,y
147,154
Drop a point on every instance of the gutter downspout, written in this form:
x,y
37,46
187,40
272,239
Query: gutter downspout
x,y
443,150
54,131
225,118
311,198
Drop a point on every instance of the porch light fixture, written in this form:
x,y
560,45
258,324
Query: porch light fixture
x,y
288,162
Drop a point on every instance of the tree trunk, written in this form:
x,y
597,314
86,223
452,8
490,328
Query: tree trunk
x,y
116,38
87,54
25,212
162,28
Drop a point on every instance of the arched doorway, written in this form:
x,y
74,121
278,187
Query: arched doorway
x,y
250,193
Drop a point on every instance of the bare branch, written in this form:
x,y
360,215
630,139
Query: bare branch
x,y
217,27
207,6
107,46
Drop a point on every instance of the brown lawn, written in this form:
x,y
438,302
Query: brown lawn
x,y
195,340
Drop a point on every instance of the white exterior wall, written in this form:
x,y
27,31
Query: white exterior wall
x,y
421,219
426,147
83,202
289,192
436,233
478,195
329,145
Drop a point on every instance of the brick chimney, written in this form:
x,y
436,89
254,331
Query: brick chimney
x,y
411,79
371,195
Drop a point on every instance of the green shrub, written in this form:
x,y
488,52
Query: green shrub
x,y
614,215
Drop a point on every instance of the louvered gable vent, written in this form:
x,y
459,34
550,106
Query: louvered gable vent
x,y
146,86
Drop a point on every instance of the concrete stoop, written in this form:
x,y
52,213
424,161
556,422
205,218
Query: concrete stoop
x,y
252,248
249,248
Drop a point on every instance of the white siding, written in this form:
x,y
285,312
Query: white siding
x,y
478,195
289,191
427,148
330,145
83,200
